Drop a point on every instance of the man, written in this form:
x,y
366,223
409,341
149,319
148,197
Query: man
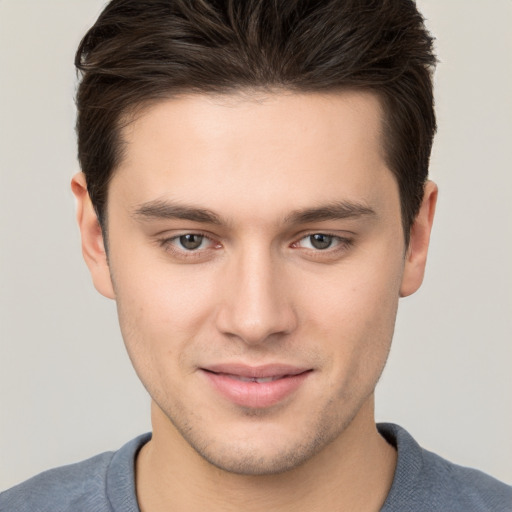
x,y
254,196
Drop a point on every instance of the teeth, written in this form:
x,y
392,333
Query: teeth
x,y
255,379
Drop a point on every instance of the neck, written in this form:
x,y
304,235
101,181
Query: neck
x,y
354,472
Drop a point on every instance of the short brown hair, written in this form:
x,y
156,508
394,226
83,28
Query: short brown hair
x,y
139,51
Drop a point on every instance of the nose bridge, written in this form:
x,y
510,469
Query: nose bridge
x,y
255,304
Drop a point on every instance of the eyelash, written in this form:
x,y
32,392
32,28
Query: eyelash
x,y
167,244
343,244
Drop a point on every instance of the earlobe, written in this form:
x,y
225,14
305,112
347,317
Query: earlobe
x,y
93,248
416,257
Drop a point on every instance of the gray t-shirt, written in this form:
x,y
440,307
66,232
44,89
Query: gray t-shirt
x,y
423,482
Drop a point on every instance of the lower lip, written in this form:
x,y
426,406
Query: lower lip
x,y
256,395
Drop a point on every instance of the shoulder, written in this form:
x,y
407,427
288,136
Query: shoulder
x,y
426,481
471,489
83,486
59,488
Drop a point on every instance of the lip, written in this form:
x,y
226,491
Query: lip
x,y
255,387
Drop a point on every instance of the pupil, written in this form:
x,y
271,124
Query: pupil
x,y
191,241
320,241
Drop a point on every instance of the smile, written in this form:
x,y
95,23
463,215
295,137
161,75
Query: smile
x,y
255,387
255,379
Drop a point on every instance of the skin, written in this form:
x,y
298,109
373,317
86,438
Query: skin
x,y
258,291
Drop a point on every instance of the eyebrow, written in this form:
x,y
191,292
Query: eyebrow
x,y
166,210
159,209
332,211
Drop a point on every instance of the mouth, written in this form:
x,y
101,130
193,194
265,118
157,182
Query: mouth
x,y
253,379
256,387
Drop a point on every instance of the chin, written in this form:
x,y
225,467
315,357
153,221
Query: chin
x,y
263,451
248,461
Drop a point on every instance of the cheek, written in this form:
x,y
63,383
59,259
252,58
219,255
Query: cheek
x,y
158,292
161,308
356,297
354,311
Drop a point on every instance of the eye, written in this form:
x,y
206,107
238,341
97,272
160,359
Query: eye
x,y
188,245
319,241
191,241
323,247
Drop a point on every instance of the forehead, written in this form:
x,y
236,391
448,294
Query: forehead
x,y
236,117
278,147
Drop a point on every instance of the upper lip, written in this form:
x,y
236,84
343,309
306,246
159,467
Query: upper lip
x,y
256,372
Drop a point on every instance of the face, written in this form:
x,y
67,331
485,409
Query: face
x,y
256,255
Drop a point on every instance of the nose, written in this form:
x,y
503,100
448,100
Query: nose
x,y
256,304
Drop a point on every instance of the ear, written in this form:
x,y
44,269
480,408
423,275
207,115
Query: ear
x,y
416,257
93,248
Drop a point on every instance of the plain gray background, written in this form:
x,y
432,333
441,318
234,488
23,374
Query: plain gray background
x,y
67,389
